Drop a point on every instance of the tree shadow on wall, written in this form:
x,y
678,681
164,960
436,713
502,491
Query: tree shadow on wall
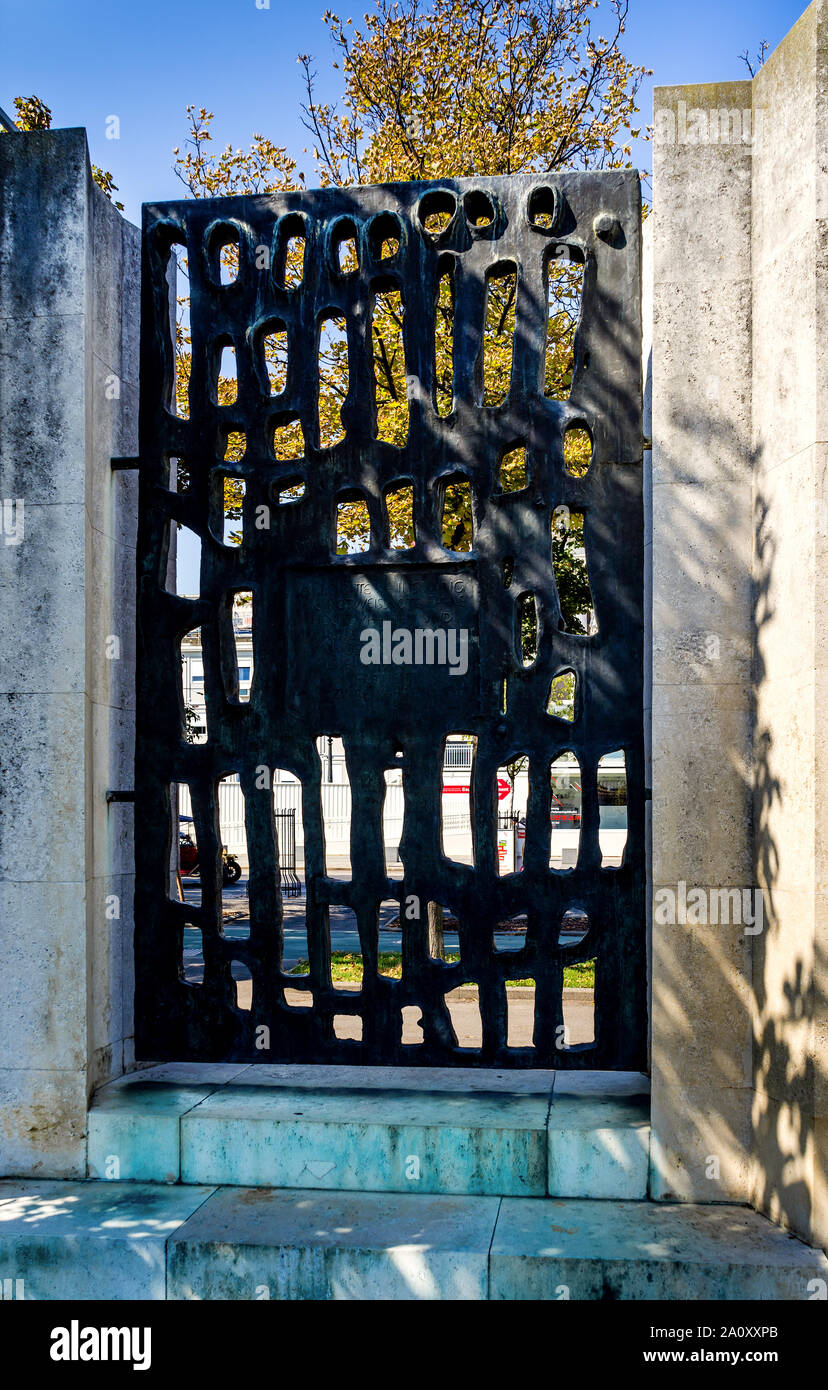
x,y
758,993
786,964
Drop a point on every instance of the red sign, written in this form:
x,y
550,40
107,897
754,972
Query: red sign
x,y
503,788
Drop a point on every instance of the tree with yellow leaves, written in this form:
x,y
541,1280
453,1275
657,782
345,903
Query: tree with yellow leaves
x,y
435,89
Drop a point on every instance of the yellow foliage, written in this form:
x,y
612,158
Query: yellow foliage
x,y
454,88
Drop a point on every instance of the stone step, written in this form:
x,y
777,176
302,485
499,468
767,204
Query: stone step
x,y
93,1240
636,1251
379,1129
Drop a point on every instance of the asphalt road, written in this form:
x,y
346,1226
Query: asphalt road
x,y
344,935
465,1014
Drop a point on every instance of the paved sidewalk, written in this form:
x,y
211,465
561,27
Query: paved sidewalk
x,y
465,1015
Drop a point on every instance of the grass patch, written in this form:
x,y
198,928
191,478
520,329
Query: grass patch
x,y
580,976
346,968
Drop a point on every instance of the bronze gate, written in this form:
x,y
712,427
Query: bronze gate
x,y
394,648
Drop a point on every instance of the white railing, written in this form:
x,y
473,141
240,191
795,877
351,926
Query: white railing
x,y
336,811
231,813
457,756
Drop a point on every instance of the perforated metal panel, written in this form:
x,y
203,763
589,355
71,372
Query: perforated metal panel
x,y
312,608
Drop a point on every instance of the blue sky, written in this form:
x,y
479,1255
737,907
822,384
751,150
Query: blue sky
x,y
144,61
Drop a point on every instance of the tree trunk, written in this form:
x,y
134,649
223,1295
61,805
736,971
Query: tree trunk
x,y
436,944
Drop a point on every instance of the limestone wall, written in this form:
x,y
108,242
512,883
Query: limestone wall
x,y
740,573
702,689
790,442
69,274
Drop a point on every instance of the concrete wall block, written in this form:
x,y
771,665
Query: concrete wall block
x,y
791,573
785,171
42,950
821,108
111,404
42,419
41,602
109,925
702,635
786,348
784,1163
699,836
122,521
785,781
43,1123
131,310
114,260
701,1142
785,570
784,983
112,496
686,157
69,294
701,654
110,622
821,354
702,590
701,410
42,811
104,269
128,973
820,503
819,1210
714,1049
821,1006
767,226
690,248
43,246
111,824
